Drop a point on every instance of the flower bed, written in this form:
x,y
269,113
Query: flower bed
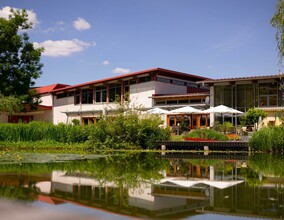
x,y
198,139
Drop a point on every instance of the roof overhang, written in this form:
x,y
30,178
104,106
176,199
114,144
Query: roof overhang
x,y
157,71
251,78
182,96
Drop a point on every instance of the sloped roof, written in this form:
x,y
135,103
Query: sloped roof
x,y
50,88
161,71
241,79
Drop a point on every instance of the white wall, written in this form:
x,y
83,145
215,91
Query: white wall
x,y
140,94
67,105
46,99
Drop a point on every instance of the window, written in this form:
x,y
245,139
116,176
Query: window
x,y
268,94
144,79
177,82
87,96
62,95
114,92
88,121
72,93
100,94
160,102
183,101
77,97
164,80
172,102
126,91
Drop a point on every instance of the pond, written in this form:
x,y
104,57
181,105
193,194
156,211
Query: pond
x,y
141,185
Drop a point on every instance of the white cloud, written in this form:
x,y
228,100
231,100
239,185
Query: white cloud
x,y
32,17
81,24
62,48
59,26
119,70
106,62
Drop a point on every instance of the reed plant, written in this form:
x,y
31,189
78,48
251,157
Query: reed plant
x,y
43,131
120,132
269,138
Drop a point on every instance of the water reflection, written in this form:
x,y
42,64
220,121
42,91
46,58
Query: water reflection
x,y
152,185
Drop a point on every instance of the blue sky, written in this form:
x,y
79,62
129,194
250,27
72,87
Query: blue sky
x,y
93,39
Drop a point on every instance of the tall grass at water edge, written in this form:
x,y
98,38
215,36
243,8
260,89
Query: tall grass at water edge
x,y
269,138
42,131
119,132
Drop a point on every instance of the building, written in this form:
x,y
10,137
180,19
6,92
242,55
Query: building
x,y
44,111
156,87
149,88
265,92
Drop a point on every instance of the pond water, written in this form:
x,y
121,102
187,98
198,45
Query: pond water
x,y
141,185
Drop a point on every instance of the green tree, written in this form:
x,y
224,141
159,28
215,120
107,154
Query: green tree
x,y
19,60
253,114
10,104
277,21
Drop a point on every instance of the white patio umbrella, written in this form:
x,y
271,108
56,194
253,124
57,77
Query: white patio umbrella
x,y
157,110
214,183
186,110
222,109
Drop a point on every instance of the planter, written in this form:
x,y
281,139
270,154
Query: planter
x,y
199,139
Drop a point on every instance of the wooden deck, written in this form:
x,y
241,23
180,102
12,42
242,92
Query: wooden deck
x,y
239,146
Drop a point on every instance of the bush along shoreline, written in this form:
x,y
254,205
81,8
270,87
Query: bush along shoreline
x,y
268,139
131,131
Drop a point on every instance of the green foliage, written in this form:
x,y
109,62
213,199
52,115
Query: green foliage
x,y
10,104
75,122
19,60
122,131
128,130
207,134
280,115
269,138
38,131
267,164
252,116
277,21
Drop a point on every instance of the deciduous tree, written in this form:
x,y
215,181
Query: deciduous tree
x,y
277,21
19,60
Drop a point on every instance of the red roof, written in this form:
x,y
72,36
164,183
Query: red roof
x,y
161,71
49,88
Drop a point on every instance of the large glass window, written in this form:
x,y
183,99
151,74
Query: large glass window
x,y
241,96
268,94
126,92
218,94
227,95
144,79
77,97
114,92
100,94
87,96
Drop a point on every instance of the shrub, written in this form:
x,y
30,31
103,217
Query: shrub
x,y
130,130
269,138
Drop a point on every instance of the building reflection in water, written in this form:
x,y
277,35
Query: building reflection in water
x,y
188,187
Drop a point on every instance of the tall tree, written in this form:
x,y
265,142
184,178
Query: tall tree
x,y
277,21
19,60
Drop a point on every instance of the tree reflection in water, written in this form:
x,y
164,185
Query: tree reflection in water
x,y
153,185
